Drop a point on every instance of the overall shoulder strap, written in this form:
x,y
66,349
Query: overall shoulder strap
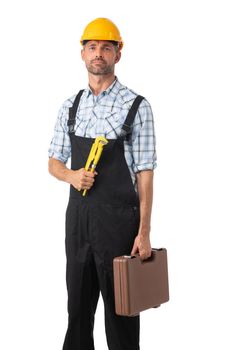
x,y
73,111
127,126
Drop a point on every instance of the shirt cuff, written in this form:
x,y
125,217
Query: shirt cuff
x,y
58,157
146,166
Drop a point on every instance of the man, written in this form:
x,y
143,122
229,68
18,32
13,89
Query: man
x,y
113,218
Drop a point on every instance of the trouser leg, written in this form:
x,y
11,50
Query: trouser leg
x,y
113,235
82,282
122,332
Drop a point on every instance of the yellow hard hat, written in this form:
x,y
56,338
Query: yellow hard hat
x,y
102,29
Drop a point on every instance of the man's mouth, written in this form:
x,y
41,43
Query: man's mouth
x,y
98,61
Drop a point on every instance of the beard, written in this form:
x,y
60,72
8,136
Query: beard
x,y
102,68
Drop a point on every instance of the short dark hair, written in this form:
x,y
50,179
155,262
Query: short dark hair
x,y
115,43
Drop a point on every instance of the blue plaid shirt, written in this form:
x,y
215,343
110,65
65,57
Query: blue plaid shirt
x,y
104,115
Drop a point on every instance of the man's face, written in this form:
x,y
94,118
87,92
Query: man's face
x,y
100,57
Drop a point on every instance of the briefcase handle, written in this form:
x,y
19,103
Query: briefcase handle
x,y
151,258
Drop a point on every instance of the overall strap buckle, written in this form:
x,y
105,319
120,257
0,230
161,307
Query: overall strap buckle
x,y
125,131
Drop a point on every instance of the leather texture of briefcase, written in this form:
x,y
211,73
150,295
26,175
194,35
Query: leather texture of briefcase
x,y
140,284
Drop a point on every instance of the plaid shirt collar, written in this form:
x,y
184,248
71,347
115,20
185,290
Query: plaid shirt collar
x,y
112,90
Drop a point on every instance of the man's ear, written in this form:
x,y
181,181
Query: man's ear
x,y
82,54
118,57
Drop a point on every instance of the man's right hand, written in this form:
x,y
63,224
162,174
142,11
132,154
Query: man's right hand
x,y
82,179
79,179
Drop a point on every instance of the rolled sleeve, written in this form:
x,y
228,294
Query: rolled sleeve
x,y
60,147
143,139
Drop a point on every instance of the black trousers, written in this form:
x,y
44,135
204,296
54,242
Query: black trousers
x,y
95,234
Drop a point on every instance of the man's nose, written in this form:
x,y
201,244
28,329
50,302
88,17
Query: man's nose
x,y
98,53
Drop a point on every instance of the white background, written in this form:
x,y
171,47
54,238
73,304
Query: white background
x,y
179,55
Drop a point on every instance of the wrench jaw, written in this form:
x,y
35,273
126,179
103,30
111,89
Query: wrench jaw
x,y
103,142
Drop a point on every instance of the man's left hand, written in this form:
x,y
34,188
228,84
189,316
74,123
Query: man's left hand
x,y
142,246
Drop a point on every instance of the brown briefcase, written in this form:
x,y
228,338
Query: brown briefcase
x,y
140,285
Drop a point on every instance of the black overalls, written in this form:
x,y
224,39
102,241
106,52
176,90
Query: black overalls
x,y
99,226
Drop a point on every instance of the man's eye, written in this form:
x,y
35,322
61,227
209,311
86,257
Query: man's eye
x,y
91,47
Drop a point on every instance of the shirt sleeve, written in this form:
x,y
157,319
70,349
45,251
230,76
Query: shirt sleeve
x,y
143,139
60,147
